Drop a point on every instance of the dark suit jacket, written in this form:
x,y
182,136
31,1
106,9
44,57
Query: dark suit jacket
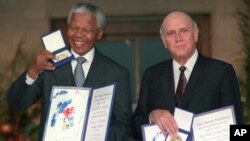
x,y
103,71
212,84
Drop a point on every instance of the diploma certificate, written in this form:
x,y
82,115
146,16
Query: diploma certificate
x,y
214,125
151,132
78,114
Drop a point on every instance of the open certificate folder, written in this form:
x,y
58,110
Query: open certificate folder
x,y
78,114
184,119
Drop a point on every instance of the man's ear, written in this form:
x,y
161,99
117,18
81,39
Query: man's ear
x,y
100,34
163,41
196,33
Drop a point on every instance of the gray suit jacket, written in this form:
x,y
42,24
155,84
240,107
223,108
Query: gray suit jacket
x,y
212,84
103,71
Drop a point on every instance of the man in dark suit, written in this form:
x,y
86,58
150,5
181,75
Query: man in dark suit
x,y
85,27
211,83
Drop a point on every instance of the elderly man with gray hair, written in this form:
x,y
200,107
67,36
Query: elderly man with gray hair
x,y
85,26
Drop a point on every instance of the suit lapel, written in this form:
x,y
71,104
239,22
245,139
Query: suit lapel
x,y
97,69
194,82
167,81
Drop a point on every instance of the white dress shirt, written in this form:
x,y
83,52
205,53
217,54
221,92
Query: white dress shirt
x,y
86,65
189,67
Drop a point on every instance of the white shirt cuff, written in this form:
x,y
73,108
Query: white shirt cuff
x,y
150,119
29,80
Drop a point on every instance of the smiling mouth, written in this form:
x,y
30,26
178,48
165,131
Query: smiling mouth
x,y
79,43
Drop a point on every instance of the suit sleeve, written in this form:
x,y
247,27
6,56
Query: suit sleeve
x,y
141,114
231,93
20,95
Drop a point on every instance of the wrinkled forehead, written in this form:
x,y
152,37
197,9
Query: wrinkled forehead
x,y
176,20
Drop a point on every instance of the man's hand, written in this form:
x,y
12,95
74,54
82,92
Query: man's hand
x,y
41,63
166,122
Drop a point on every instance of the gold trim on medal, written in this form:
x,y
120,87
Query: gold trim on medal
x,y
61,56
176,138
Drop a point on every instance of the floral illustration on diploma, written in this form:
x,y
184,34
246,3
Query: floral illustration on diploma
x,y
65,111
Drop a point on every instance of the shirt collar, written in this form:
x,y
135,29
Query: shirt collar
x,y
189,64
88,56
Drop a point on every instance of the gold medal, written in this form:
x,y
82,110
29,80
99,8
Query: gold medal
x,y
61,56
176,138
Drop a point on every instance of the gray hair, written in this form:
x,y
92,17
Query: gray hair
x,y
89,9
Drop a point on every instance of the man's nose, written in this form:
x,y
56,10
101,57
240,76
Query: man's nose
x,y
178,37
80,33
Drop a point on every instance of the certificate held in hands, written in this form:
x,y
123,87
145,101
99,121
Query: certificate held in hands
x,y
54,43
214,125
184,120
151,132
77,114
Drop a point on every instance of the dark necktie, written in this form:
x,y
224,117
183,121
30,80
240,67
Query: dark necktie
x,y
78,72
181,85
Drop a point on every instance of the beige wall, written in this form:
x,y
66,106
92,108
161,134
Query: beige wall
x,y
25,21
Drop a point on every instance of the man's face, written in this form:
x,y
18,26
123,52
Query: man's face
x,y
82,32
179,36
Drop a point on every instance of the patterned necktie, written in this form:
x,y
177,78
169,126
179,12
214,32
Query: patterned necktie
x,y
78,72
181,85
